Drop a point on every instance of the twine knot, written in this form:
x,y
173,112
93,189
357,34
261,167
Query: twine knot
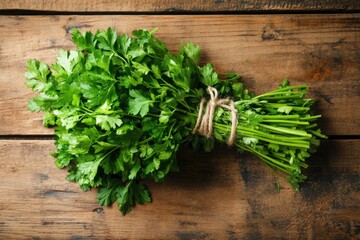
x,y
204,122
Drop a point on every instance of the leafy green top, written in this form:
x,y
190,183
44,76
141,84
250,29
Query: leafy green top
x,y
123,105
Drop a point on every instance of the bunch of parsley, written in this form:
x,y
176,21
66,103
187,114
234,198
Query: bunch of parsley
x,y
122,105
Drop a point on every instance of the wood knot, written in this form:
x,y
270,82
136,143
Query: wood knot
x,y
270,32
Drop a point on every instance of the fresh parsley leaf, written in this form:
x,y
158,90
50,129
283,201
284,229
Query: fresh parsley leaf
x,y
107,195
107,122
139,104
209,76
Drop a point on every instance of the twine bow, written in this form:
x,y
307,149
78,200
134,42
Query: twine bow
x,y
204,122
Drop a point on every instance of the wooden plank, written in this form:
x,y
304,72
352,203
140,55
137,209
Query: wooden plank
x,y
218,195
319,50
170,6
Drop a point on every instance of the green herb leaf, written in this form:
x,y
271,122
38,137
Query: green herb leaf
x,y
139,104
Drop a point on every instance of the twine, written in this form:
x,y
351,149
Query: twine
x,y
204,122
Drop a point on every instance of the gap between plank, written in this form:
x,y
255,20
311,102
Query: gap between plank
x,y
180,12
51,137
27,137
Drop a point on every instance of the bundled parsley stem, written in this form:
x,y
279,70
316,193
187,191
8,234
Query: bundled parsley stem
x,y
122,105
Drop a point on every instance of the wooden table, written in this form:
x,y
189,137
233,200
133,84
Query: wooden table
x,y
219,195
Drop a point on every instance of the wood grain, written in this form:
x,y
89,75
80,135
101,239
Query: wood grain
x,y
223,195
219,195
171,6
322,51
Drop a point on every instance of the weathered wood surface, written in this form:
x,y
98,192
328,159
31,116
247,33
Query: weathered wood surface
x,y
322,51
223,195
170,6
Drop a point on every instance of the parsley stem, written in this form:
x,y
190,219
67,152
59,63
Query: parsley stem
x,y
317,134
119,56
186,112
286,130
310,118
311,126
270,161
146,140
108,153
294,116
285,89
287,97
283,95
86,109
278,105
283,140
285,121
